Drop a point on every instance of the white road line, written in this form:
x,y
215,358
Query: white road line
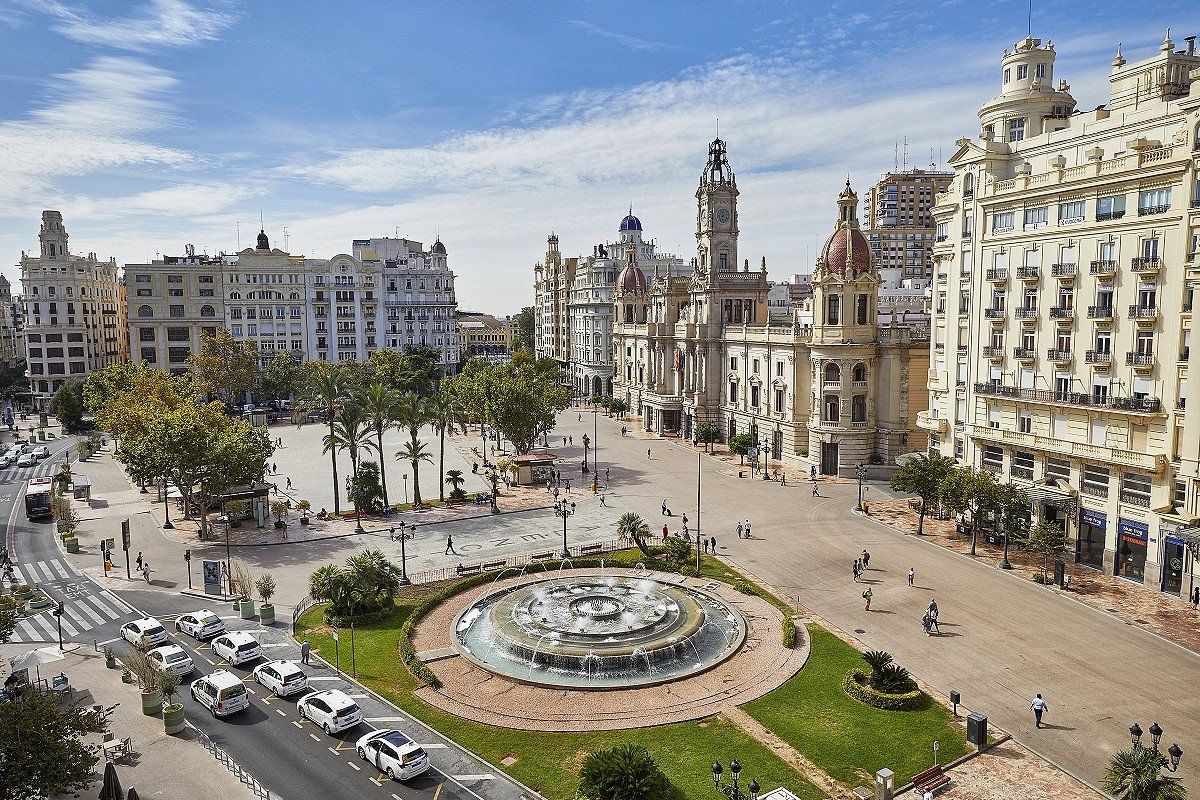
x,y
354,766
275,644
57,566
281,712
73,614
117,602
487,776
87,609
104,607
436,745
69,628
33,570
323,678
357,696
109,641
315,738
385,719
39,622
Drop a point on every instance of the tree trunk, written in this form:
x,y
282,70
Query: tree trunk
x,y
337,503
382,470
416,485
921,519
974,530
442,465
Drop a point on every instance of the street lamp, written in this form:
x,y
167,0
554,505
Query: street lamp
x,y
405,477
564,510
766,458
493,477
596,452
586,444
861,472
1156,732
732,790
404,537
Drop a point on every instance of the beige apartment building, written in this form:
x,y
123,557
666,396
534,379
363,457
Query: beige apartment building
x,y
899,225
173,302
265,299
1065,263
74,312
484,336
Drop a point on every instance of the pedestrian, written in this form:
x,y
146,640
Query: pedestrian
x,y
289,483
647,453
556,493
927,624
564,441
602,500
783,480
606,474
747,529
1196,597
146,571
304,648
739,530
912,575
815,492
568,483
866,559
571,440
274,468
867,597
1038,706
705,542
664,507
713,544
933,617
138,563
449,546
812,472
666,532
580,418
685,522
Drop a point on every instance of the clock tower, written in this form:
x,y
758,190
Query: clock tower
x,y
716,214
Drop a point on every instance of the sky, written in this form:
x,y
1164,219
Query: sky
x,y
151,124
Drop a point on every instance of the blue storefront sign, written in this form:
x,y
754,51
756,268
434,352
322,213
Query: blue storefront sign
x,y
1131,549
1094,518
1129,529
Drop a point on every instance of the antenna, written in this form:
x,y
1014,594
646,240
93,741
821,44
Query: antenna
x,y
895,155
239,236
261,225
1029,21
718,127
905,160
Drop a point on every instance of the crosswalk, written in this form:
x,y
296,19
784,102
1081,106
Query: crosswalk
x,y
84,606
19,475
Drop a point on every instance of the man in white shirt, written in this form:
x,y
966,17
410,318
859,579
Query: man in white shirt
x,y
1038,705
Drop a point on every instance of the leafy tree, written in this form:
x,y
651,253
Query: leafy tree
x,y
422,369
226,367
1010,504
455,479
968,490
707,433
677,550
619,407
1047,541
13,380
42,750
379,405
67,405
366,492
631,526
1136,774
923,475
414,453
282,378
367,583
741,445
237,453
624,772
523,325
327,386
468,388
8,617
521,399
101,386
444,414
411,412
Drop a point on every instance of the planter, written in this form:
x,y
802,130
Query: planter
x,y
246,609
22,597
152,704
110,660
72,544
39,601
266,614
126,676
304,520
280,524
173,719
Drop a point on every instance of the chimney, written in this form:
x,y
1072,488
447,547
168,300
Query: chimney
x,y
1191,48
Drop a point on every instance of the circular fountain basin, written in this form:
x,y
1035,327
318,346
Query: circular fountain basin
x,y
596,631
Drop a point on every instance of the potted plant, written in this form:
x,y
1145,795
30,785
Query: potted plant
x,y
150,680
39,599
172,711
304,507
266,589
71,542
280,511
243,585
126,675
234,512
22,593
110,658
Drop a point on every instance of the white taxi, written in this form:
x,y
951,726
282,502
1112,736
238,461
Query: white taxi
x,y
331,709
398,756
199,625
172,658
144,633
281,677
236,648
221,692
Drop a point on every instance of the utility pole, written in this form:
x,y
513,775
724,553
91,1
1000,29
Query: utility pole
x,y
125,545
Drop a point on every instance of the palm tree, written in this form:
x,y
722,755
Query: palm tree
x,y
322,584
414,452
378,403
411,414
378,578
454,479
328,386
631,526
444,414
352,434
1135,774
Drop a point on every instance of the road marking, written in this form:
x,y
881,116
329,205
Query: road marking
x,y
87,609
437,793
434,746
68,627
275,644
110,641
298,725
354,766
323,678
209,660
104,607
385,719
315,738
487,776
357,696
330,749
281,712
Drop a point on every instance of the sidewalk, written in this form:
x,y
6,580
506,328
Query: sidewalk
x,y
1170,617
162,766
1010,772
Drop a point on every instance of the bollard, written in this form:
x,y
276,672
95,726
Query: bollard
x,y
885,784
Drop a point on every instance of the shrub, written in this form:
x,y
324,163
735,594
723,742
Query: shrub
x,y
857,685
789,633
892,679
266,587
877,659
745,587
624,772
677,550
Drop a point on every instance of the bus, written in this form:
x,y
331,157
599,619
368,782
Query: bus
x,y
37,498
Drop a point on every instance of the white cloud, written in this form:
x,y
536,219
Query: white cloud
x,y
160,24
631,42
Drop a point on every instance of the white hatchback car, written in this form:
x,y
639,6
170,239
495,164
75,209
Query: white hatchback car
x,y
393,753
281,677
144,633
27,460
172,658
236,648
332,709
200,624
41,452
221,692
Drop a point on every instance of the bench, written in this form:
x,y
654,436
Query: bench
x,y
931,779
590,548
542,556
471,570
491,565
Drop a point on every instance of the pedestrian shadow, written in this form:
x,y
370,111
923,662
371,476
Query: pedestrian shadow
x,y
1047,725
882,611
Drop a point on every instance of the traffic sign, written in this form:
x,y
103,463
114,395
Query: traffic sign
x,y
125,534
335,634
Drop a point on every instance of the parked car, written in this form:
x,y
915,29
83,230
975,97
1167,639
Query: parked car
x,y
236,648
331,709
393,753
41,452
27,460
200,624
172,658
221,692
7,461
281,677
144,633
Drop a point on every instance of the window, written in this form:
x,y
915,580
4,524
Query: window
x,y
1110,208
1070,213
754,396
833,374
142,279
1002,221
1022,464
1016,130
1094,481
174,279
992,458
733,391
858,408
1154,201
1058,468
145,334
733,364
779,401
1007,74
207,311
1022,71
1040,71
755,362
1135,489
143,311
1179,495
861,309
779,368
833,309
1036,217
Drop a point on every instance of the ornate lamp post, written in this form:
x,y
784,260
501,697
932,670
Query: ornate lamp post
x,y
493,477
861,472
404,537
586,443
733,790
1135,735
596,451
564,509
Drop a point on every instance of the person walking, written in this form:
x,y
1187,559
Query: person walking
x,y
912,575
712,541
927,624
666,532
449,546
304,648
146,571
1039,707
289,484
602,500
647,453
739,530
867,596
664,507
933,616
606,475
854,570
866,559
685,522
138,564
783,480
1196,597
747,529
815,493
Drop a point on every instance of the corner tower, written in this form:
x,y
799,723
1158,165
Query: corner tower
x,y
53,236
716,213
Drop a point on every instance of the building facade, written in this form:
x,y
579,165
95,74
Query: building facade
x,y
900,227
265,299
484,336
551,293
1065,262
826,386
74,312
12,329
173,302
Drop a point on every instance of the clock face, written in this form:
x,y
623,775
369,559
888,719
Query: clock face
x,y
723,215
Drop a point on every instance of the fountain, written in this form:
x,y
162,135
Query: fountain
x,y
598,631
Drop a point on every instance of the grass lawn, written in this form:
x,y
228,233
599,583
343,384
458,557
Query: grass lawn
x,y
847,739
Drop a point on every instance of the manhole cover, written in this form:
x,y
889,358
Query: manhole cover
x,y
859,630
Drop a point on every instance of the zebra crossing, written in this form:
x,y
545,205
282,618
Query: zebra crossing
x,y
84,607
19,475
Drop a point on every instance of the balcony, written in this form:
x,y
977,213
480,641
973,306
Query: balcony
x,y
1139,360
1146,266
997,275
1138,405
1100,312
1103,267
1146,211
1062,312
1028,273
1149,462
1065,271
1024,312
942,238
993,352
1105,216
1130,497
1100,358
1143,313
1023,353
994,313
1058,356
835,385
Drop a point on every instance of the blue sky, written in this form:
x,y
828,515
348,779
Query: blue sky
x,y
155,123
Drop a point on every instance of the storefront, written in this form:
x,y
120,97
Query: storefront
x,y
1132,538
1089,546
1172,564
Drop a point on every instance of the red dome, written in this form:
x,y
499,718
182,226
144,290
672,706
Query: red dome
x,y
631,281
846,249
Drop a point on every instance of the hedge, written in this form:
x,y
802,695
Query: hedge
x,y
789,633
857,686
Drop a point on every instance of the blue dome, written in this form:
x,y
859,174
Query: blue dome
x,y
631,223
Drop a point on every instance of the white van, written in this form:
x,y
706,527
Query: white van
x,y
221,692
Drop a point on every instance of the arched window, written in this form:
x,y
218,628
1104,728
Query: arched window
x,y
145,311
833,373
833,409
968,184
235,295
207,311
860,372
